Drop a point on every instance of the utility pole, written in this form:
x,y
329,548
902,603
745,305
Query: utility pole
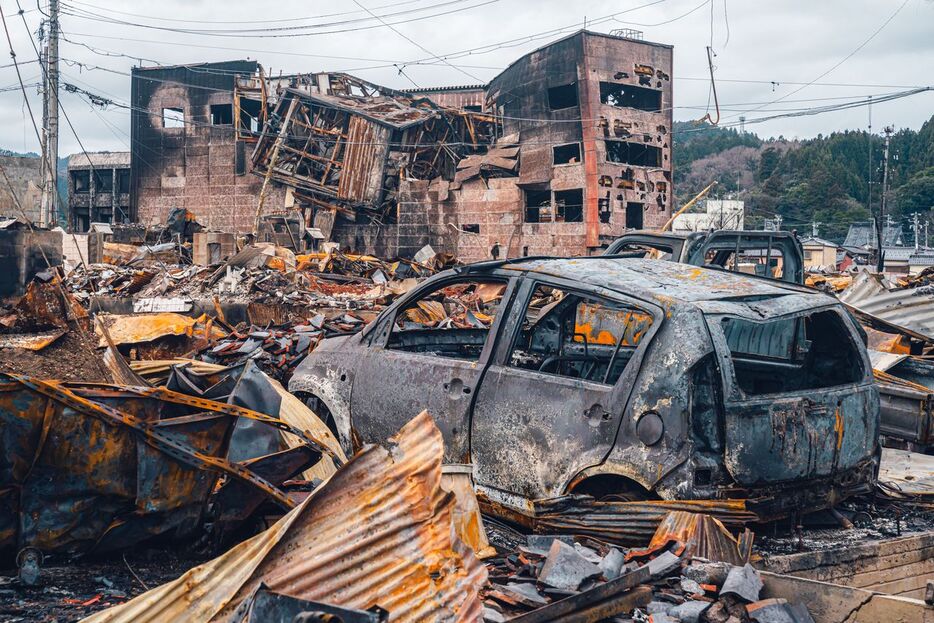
x,y
778,222
815,228
50,121
916,227
926,234
880,264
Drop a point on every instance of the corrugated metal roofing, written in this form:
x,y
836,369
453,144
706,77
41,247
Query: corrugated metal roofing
x,y
379,532
912,308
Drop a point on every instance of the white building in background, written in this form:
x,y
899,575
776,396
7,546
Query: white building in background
x,y
718,214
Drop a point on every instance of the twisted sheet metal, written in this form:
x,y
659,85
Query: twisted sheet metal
x,y
700,536
911,308
631,524
379,532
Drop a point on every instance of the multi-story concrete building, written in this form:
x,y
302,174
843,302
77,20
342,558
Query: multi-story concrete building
x,y
98,189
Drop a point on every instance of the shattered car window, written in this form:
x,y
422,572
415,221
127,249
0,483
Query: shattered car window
x,y
570,335
647,251
792,354
451,321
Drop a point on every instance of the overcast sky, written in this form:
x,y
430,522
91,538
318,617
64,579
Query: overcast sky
x,y
785,42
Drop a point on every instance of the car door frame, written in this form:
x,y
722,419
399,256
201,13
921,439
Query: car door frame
x,y
620,393
376,341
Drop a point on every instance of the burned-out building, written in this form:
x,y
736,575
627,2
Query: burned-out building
x,y
583,153
561,152
187,151
98,188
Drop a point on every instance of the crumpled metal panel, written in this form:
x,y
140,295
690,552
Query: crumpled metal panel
x,y
379,532
911,308
628,523
97,467
702,536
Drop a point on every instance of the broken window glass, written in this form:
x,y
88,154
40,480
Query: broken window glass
x,y
173,118
634,215
792,354
636,154
251,112
564,96
450,321
576,336
630,96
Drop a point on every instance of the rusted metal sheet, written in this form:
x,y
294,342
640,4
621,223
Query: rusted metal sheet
x,y
97,467
364,158
701,536
137,328
30,341
629,523
379,532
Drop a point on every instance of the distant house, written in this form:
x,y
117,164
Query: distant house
x,y
98,188
719,214
895,259
863,236
919,260
819,252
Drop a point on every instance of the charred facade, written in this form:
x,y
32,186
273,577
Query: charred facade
x,y
98,189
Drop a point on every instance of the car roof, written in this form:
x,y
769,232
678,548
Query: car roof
x,y
656,279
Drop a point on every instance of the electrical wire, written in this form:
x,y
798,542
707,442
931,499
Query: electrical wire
x,y
291,31
844,59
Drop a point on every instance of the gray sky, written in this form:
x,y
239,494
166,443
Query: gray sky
x,y
788,42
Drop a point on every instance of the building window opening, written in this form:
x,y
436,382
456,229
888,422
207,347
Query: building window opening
x,y
569,205
104,180
472,228
173,118
473,108
561,97
82,181
221,114
567,154
636,154
630,96
634,212
123,180
250,113
538,206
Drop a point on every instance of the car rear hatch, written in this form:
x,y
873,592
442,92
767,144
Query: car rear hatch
x,y
799,402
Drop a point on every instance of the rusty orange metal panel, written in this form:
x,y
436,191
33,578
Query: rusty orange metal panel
x,y
364,156
379,532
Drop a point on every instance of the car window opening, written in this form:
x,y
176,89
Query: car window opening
x,y
569,335
451,321
792,354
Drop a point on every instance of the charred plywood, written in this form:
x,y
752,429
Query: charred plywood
x,y
365,157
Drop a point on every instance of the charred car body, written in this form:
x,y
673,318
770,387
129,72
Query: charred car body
x,y
618,378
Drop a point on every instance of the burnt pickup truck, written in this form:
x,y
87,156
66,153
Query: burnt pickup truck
x,y
772,254
622,379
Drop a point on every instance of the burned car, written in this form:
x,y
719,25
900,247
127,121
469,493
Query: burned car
x,y
622,379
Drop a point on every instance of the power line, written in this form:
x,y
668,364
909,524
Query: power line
x,y
290,31
213,21
844,59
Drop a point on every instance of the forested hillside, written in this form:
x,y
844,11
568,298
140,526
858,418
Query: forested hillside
x,y
825,179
